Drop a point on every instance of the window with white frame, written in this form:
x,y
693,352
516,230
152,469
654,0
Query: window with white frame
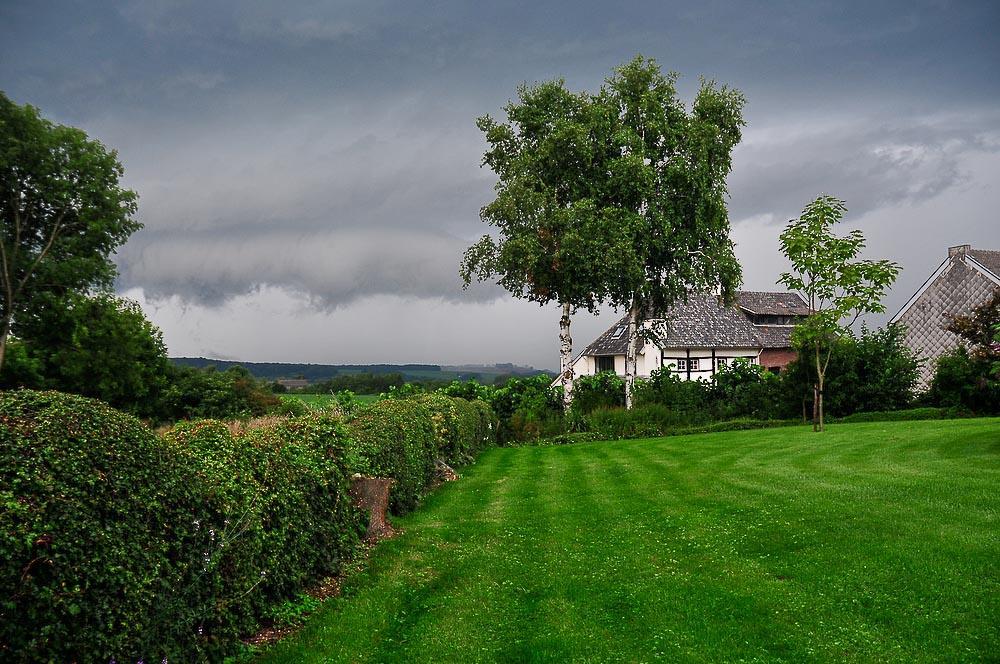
x,y
693,364
722,362
682,365
605,363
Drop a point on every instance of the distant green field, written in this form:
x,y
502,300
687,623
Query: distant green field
x,y
323,399
867,543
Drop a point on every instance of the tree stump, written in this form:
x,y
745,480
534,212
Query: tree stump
x,y
372,495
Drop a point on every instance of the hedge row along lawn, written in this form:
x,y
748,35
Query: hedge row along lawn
x,y
326,399
867,542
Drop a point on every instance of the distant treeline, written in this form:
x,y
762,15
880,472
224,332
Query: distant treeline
x,y
359,383
310,372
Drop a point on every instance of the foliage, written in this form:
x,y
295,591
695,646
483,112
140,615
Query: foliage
x,y
833,282
103,536
744,390
469,389
463,428
207,393
526,408
549,158
688,399
964,379
63,213
19,368
99,346
287,521
872,372
602,390
665,203
359,383
394,438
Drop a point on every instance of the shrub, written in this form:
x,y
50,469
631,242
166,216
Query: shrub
x,y
526,408
462,428
965,380
102,536
603,390
395,438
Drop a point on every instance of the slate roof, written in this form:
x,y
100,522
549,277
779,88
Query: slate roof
x,y
780,304
988,259
702,322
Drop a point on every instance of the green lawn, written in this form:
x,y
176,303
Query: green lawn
x,y
868,542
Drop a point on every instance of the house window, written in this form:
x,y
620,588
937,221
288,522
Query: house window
x,y
682,365
619,332
722,362
693,364
605,363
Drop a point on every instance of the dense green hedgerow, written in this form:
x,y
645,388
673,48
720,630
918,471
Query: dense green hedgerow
x,y
103,536
463,427
118,544
394,438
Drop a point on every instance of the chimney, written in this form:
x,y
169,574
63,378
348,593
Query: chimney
x,y
960,250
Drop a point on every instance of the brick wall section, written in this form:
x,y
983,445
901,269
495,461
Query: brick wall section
x,y
776,357
956,291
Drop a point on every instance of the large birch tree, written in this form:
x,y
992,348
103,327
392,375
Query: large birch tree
x,y
668,190
63,212
551,168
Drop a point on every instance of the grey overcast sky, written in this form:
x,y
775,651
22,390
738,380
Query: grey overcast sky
x,y
309,172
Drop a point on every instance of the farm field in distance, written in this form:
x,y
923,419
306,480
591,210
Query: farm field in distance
x,y
870,542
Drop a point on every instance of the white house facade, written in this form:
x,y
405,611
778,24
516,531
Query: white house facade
x,y
695,338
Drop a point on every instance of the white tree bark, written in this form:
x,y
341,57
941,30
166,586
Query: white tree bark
x,y
631,353
566,357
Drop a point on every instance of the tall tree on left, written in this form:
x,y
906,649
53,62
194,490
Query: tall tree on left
x,y
550,160
63,212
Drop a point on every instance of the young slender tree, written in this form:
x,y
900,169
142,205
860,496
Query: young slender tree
x,y
666,195
838,287
549,161
62,213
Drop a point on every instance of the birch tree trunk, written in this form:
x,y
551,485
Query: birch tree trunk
x,y
566,357
631,353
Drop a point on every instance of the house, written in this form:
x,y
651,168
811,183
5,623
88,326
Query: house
x,y
964,280
696,337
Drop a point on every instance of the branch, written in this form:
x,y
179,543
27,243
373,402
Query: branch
x,y
56,227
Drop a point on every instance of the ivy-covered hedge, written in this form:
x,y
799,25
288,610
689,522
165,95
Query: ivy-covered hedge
x,y
103,532
394,438
463,428
118,544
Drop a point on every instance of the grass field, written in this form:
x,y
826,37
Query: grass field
x,y
868,542
323,399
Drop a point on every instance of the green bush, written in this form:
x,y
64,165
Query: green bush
x,y
463,428
119,544
604,390
395,438
927,413
103,536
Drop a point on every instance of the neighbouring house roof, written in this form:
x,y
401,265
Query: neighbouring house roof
x,y
986,258
702,322
963,280
780,304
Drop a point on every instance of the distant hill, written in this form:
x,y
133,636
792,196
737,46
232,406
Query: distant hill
x,y
317,372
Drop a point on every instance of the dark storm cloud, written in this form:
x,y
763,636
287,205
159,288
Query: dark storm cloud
x,y
330,148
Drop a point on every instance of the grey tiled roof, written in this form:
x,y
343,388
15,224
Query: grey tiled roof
x,y
702,322
782,304
989,259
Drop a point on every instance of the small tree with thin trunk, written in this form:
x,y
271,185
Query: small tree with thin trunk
x,y
548,160
667,195
62,213
838,287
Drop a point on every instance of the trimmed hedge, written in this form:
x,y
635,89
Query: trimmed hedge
x,y
394,438
463,428
118,544
102,536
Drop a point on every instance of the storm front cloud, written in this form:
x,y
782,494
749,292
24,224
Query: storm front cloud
x,y
309,173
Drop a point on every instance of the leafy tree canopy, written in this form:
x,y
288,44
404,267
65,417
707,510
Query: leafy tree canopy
x,y
63,212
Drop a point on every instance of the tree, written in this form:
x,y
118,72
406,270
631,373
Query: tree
x,y
101,347
836,285
550,168
62,213
666,195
